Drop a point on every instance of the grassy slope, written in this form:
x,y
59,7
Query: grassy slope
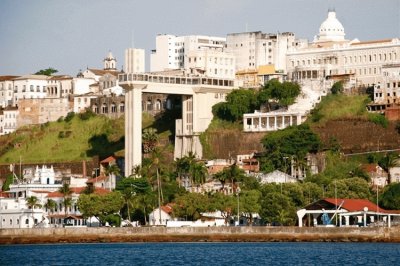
x,y
82,138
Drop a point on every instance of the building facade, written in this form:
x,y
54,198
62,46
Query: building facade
x,y
134,60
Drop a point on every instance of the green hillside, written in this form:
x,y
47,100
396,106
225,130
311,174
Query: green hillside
x,y
60,141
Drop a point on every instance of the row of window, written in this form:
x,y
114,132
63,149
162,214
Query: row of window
x,y
31,88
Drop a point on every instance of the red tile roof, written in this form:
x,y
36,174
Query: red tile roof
x,y
77,190
109,159
354,205
167,208
4,78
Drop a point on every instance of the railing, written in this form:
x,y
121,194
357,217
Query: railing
x,y
176,80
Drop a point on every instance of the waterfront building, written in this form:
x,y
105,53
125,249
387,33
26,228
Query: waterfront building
x,y
160,216
346,212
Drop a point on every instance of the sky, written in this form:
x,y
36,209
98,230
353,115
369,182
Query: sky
x,y
70,35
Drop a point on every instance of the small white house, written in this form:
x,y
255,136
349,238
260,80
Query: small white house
x,y
276,177
164,213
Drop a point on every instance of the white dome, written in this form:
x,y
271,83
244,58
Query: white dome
x,y
331,29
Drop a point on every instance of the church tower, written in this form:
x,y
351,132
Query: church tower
x,y
110,63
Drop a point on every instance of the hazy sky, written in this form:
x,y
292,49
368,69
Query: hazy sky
x,y
70,35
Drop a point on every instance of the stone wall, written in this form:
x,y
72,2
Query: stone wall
x,y
197,234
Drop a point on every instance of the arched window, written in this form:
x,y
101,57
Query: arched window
x,y
95,109
121,107
104,109
113,108
157,105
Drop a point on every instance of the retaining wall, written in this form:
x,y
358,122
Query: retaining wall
x,y
196,234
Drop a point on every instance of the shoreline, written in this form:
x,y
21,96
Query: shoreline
x,y
198,234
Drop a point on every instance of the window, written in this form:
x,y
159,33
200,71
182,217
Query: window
x,y
31,88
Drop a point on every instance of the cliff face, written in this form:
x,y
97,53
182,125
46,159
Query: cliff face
x,y
359,135
353,135
229,143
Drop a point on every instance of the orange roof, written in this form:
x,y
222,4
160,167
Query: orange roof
x,y
167,208
77,190
354,205
109,159
4,78
370,168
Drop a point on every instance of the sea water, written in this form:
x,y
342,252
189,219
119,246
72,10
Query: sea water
x,y
202,254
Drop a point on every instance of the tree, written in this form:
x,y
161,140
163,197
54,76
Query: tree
x,y
390,199
100,206
284,93
66,191
112,170
149,139
278,208
390,160
48,71
337,87
191,205
33,202
292,142
351,188
249,203
238,102
198,172
226,204
50,205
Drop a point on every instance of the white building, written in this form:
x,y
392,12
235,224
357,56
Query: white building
x,y
211,63
276,177
6,90
30,87
164,212
171,50
254,49
134,60
59,86
8,120
331,56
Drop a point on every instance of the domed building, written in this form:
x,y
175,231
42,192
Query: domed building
x,y
331,30
330,58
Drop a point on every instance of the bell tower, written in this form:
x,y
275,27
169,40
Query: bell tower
x,y
110,63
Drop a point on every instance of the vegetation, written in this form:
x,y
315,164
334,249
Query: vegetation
x,y
242,101
48,71
283,146
337,87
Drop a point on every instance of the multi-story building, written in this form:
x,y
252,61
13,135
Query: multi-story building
x,y
254,49
134,60
30,87
6,90
59,86
171,50
331,56
387,93
8,120
211,63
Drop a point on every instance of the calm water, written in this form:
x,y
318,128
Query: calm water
x,y
202,254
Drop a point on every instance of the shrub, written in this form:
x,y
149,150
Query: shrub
x,y
378,119
87,114
337,87
69,116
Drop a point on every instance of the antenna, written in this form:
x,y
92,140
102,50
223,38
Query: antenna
x,y
133,39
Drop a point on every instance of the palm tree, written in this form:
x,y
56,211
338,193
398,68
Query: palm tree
x,y
50,205
33,202
112,170
199,173
389,161
67,201
149,139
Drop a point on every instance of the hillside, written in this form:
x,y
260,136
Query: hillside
x,y
72,140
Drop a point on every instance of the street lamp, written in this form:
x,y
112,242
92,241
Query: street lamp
x,y
238,202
